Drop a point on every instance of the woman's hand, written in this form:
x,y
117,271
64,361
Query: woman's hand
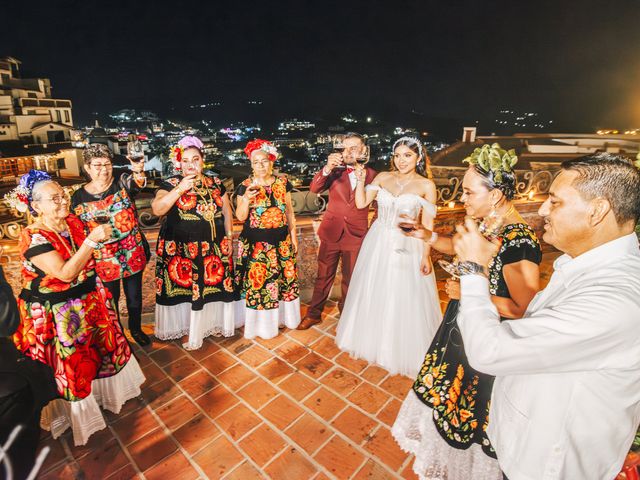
x,y
101,233
250,193
187,183
360,173
452,287
425,265
294,243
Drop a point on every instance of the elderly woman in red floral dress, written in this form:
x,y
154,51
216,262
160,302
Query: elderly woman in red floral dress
x,y
195,290
266,271
67,316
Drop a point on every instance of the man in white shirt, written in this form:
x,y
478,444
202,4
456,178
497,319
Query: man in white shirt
x,y
566,400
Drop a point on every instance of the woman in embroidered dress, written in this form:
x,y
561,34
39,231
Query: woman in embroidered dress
x,y
68,320
195,288
392,309
444,417
125,255
267,273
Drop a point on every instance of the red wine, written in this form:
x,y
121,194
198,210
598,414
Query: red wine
x,y
406,229
101,219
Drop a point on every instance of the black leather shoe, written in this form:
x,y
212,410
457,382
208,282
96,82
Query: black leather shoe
x,y
140,337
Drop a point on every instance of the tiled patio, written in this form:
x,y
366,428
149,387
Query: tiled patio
x,y
293,407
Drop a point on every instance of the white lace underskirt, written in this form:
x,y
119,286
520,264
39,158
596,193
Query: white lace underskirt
x,y
176,321
84,416
264,323
416,433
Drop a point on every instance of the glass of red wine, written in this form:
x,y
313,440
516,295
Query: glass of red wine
x,y
135,152
338,147
410,213
102,218
363,157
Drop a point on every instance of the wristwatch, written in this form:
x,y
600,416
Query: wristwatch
x,y
471,268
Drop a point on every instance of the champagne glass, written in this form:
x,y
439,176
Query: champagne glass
x,y
338,147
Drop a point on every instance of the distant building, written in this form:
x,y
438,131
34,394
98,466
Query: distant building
x,y
536,151
28,112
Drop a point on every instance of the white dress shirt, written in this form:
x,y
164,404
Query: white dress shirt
x,y
566,400
352,177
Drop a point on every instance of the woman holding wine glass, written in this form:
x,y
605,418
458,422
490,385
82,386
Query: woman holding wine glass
x,y
195,291
444,417
105,200
267,273
392,308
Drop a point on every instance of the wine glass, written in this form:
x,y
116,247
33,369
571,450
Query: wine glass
x,y
135,152
364,155
489,227
101,218
406,212
338,147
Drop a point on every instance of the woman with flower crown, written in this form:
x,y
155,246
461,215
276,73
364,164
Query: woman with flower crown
x,y
67,316
392,309
444,416
267,273
195,290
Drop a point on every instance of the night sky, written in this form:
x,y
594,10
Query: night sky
x,y
577,62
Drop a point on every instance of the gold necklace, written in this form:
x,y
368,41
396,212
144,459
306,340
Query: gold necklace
x,y
209,213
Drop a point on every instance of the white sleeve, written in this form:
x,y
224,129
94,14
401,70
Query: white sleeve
x,y
429,207
593,328
372,187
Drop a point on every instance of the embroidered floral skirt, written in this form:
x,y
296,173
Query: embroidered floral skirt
x,y
195,285
267,276
78,336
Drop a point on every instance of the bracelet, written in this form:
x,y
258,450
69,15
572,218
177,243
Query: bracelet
x,y
91,244
471,268
433,238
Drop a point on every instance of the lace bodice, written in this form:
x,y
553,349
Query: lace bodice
x,y
390,206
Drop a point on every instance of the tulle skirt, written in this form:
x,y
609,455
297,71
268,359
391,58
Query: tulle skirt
x,y
392,311
416,433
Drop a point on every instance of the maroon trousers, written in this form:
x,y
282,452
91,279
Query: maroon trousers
x,y
329,254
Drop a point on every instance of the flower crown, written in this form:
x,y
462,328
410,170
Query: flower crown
x,y
262,145
175,154
19,198
493,158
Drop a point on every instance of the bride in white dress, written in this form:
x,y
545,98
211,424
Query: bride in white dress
x,y
392,309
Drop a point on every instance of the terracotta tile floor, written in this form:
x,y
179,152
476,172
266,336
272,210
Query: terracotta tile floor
x,y
293,407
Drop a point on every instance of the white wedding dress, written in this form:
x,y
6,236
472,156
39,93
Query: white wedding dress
x,y
392,310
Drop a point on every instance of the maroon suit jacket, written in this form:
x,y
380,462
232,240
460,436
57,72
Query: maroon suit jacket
x,y
342,221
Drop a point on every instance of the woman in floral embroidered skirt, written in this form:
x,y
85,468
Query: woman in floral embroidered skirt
x,y
68,320
195,290
266,271
444,417
123,258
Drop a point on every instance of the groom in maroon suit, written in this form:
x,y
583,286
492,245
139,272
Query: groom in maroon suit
x,y
343,225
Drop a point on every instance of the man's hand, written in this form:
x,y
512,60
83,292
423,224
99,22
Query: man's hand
x,y
471,246
334,160
452,287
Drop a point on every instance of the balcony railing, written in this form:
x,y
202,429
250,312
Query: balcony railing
x,y
307,203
